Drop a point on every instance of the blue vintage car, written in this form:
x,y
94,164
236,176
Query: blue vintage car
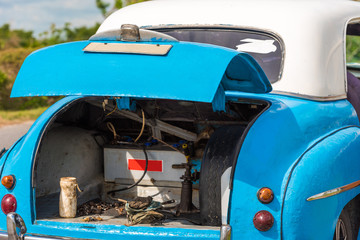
x,y
193,120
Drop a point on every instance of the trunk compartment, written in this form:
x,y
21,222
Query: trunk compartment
x,y
93,140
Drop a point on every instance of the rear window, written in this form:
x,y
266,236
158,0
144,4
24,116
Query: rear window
x,y
353,49
265,48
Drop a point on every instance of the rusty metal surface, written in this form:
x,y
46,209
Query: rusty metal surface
x,y
100,207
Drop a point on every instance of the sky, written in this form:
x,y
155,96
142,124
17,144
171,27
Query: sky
x,y
38,15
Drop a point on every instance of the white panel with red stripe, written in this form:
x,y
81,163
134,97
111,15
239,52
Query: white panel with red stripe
x,y
127,165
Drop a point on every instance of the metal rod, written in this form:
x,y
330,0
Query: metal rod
x,y
165,127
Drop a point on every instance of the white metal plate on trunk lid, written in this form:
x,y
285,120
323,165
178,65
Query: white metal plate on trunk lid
x,y
134,48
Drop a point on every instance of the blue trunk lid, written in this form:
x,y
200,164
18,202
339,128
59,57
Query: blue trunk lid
x,y
188,71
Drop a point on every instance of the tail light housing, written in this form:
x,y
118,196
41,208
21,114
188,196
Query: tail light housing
x,y
8,181
265,195
8,204
263,220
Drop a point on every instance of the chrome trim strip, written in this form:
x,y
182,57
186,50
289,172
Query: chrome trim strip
x,y
16,230
43,237
4,236
225,195
334,191
314,98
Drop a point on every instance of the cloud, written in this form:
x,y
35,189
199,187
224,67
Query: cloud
x,y
38,15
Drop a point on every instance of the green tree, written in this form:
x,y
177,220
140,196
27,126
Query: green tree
x,y
118,4
4,35
15,38
4,81
129,2
106,11
25,38
353,49
102,6
79,33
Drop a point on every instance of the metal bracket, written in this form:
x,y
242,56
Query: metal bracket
x,y
125,103
225,232
158,126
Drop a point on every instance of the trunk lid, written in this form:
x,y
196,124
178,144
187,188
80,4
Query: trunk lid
x,y
183,71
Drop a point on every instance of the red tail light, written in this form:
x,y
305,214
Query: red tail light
x,y
8,204
263,220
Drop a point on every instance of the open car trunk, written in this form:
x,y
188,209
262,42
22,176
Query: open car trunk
x,y
155,150
94,141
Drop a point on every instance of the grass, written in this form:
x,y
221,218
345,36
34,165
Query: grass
x,y
12,117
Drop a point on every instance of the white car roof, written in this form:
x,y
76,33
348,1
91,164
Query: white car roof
x,y
313,33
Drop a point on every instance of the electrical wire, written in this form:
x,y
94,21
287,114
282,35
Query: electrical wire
x,y
138,181
143,126
165,143
112,110
112,129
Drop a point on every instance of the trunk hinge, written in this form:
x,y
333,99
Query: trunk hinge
x,y
125,103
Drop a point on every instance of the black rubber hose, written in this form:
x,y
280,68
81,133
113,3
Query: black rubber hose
x,y
138,181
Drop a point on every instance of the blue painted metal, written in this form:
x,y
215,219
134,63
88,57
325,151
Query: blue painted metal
x,y
273,144
125,103
95,231
5,156
242,68
66,70
218,103
339,152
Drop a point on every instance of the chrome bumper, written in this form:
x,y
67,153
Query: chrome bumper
x,y
5,236
16,230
